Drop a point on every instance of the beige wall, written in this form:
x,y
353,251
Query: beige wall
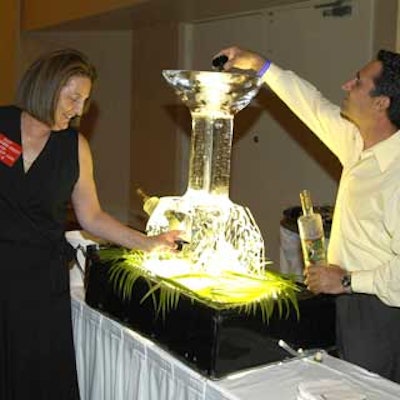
x,y
37,14
385,25
108,124
274,155
131,126
136,133
398,27
9,49
154,114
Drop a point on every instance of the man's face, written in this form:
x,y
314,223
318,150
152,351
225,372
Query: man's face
x,y
71,101
358,102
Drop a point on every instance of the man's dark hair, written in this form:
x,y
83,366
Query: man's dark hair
x,y
388,83
40,87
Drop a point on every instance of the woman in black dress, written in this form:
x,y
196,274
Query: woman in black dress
x,y
44,163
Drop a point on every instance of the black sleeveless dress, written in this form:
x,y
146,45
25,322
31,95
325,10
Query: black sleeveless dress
x,y
37,359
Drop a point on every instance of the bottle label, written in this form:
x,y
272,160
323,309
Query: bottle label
x,y
314,251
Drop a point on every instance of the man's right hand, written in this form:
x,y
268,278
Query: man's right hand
x,y
241,59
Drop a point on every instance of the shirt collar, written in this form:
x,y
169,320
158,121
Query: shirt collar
x,y
386,151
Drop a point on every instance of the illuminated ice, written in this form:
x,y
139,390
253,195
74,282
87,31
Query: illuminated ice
x,y
221,235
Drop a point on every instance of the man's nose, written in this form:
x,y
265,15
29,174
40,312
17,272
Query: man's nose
x,y
347,86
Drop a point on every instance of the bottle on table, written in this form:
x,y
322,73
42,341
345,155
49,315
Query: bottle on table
x,y
176,220
311,231
149,202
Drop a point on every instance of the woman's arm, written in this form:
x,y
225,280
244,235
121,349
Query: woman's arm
x,y
97,222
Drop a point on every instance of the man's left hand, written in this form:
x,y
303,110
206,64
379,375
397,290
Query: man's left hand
x,y
325,279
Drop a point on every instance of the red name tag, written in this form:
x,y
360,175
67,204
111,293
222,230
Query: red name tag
x,y
9,150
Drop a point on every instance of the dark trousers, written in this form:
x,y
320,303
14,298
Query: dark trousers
x,y
368,334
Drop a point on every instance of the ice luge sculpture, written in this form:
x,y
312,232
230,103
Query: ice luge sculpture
x,y
222,263
221,235
213,304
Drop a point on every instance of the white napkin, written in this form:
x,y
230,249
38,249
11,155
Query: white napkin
x,y
328,389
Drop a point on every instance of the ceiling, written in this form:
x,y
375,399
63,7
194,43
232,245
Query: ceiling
x,y
155,11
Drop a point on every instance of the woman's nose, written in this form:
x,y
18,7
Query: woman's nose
x,y
78,109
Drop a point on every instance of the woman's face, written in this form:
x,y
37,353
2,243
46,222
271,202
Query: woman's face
x,y
71,101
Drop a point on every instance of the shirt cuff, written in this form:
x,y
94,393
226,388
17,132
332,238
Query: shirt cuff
x,y
271,74
362,282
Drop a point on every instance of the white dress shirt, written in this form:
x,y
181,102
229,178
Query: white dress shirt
x,y
365,235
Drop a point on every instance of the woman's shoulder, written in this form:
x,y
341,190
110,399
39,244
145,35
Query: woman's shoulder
x,y
66,135
10,111
10,121
65,142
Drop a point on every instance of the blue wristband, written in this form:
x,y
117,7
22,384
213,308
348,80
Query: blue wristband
x,y
264,68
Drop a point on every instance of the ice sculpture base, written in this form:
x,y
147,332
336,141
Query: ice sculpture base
x,y
220,233
214,342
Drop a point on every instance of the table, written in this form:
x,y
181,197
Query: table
x,y
116,363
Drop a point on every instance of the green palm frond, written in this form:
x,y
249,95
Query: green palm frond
x,y
247,293
168,298
125,269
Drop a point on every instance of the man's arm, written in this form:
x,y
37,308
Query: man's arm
x,y
327,279
384,280
319,114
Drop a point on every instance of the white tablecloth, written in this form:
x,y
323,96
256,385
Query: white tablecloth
x,y
116,363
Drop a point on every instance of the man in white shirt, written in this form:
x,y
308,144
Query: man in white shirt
x,y
364,248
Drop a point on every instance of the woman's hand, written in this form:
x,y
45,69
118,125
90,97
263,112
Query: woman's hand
x,y
167,241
